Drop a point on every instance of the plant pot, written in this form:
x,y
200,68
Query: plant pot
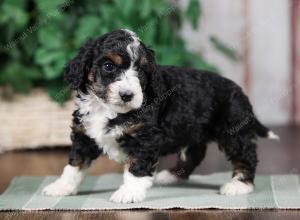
x,y
34,121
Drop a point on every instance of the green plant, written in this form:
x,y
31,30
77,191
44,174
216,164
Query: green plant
x,y
39,37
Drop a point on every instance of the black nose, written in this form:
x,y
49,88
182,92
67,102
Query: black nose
x,y
126,96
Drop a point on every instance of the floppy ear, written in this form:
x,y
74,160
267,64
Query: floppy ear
x,y
153,88
150,54
77,68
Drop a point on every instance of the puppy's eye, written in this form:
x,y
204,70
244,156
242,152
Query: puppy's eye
x,y
108,66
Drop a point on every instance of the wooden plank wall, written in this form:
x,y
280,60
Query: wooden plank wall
x,y
295,46
270,59
267,34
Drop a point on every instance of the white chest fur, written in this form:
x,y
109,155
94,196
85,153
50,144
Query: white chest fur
x,y
95,116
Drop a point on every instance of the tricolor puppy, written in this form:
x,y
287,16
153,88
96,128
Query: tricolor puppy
x,y
135,111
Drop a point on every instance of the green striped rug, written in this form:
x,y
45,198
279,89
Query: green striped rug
x,y
271,192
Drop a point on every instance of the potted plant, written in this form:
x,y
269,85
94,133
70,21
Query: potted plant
x,y
39,37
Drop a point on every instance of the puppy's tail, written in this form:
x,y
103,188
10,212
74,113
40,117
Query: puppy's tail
x,y
265,132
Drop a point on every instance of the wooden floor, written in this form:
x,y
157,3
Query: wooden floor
x,y
156,215
275,158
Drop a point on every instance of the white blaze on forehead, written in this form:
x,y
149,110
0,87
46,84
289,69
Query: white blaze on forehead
x,y
132,48
133,35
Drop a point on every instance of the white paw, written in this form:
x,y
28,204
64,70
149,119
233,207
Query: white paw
x,y
165,177
128,195
236,187
59,188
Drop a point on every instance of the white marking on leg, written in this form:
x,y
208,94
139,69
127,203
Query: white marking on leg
x,y
236,187
133,189
132,48
165,177
183,154
67,183
272,135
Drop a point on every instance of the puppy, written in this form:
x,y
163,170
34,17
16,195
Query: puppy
x,y
135,111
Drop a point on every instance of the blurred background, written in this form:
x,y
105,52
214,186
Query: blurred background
x,y
256,43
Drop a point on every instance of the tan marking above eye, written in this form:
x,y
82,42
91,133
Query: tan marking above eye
x,y
90,76
133,128
116,58
143,60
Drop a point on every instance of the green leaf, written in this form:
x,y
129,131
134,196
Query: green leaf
x,y
13,12
88,27
54,35
52,62
145,8
47,56
13,75
125,7
46,6
32,73
51,37
51,72
58,91
194,12
29,45
128,6
169,55
147,31
227,51
22,85
165,31
106,12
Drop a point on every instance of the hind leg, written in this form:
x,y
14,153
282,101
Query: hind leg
x,y
188,159
242,154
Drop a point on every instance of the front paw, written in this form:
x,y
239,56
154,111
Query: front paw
x,y
59,188
165,177
128,195
236,187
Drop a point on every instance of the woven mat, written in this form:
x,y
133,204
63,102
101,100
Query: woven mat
x,y
271,192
